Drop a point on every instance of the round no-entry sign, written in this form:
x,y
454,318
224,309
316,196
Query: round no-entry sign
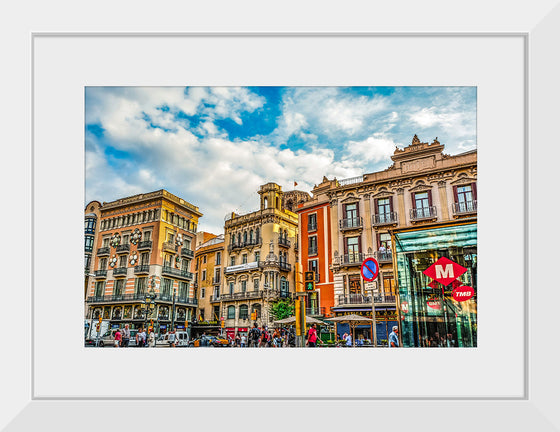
x,y
370,269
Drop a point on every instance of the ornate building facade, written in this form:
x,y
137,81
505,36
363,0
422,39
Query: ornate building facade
x,y
422,191
260,258
142,272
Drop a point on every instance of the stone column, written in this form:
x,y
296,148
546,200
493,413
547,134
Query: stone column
x,y
401,207
442,187
367,223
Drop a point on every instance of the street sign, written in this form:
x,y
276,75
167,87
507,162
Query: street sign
x,y
463,293
404,307
434,304
369,269
444,271
369,286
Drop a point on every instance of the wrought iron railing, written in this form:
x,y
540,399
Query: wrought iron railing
x,y
141,269
463,207
147,244
103,251
119,271
285,266
385,218
423,213
179,273
242,295
384,256
284,242
351,223
350,259
123,248
187,253
100,273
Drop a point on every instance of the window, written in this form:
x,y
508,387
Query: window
x,y
232,261
126,238
251,237
422,202
89,244
122,261
243,311
106,242
314,266
257,237
243,286
216,293
245,237
103,264
87,262
145,258
218,258
202,292
231,312
389,286
166,287
352,249
284,287
351,213
217,276
256,284
465,198
90,225
147,235
170,237
257,256
187,244
313,245
196,265
384,207
231,287
99,288
118,288
203,275
385,241
244,258
140,285
204,259
183,290
312,222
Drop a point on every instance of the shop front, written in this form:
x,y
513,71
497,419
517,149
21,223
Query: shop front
x,y
385,318
437,285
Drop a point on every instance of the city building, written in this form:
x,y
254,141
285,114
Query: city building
x,y
422,207
209,265
91,216
260,259
315,253
142,273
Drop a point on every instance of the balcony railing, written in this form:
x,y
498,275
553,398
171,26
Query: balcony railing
x,y
142,269
285,266
312,250
244,267
178,273
351,223
284,242
317,311
100,273
187,253
186,300
423,213
462,207
350,259
120,271
248,243
123,248
215,298
147,244
104,251
385,218
169,247
216,280
351,299
382,257
242,295
116,297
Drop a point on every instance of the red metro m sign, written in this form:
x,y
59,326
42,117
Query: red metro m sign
x,y
444,271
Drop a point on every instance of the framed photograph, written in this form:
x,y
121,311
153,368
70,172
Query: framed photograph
x,y
506,380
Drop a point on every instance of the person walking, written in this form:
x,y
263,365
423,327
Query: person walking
x,y
118,338
152,339
254,336
348,340
312,336
237,340
173,338
243,340
394,338
125,336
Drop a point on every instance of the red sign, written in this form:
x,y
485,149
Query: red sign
x,y
434,304
369,269
463,293
404,307
444,271
456,283
432,284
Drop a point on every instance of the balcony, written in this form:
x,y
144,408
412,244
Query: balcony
x,y
284,242
423,213
353,259
462,208
216,280
142,269
242,295
187,253
169,247
123,248
116,298
145,245
100,273
248,243
316,311
312,250
285,267
120,271
384,257
354,299
186,301
215,299
351,224
104,251
177,273
385,219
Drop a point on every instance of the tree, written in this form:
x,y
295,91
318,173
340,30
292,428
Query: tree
x,y
282,309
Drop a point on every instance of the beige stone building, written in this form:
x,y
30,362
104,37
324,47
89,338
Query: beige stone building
x,y
260,256
423,189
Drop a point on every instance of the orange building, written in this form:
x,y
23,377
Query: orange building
x,y
316,251
142,271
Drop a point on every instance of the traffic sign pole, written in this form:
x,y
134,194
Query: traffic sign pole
x,y
370,271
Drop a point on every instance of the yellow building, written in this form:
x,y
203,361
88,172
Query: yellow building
x,y
260,256
142,272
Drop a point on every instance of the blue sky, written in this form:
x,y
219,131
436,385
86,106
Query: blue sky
x,y
214,146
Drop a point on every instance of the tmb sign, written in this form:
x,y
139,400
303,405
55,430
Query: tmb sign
x,y
444,271
463,293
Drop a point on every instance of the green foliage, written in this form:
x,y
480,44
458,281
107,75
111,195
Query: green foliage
x,y
282,309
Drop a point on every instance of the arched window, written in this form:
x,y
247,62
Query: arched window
x,y
284,287
243,311
251,236
231,312
245,237
257,236
256,308
238,238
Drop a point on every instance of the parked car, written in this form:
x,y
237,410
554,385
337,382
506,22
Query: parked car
x,y
203,341
219,341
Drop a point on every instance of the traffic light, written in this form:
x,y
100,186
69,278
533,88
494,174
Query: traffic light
x,y
309,280
253,316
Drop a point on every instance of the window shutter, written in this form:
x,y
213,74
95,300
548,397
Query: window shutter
x,y
359,244
346,246
391,204
473,186
413,195
430,198
455,195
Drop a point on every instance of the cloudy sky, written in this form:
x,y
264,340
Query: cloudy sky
x,y
214,146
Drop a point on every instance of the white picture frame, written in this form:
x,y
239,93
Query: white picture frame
x,y
26,404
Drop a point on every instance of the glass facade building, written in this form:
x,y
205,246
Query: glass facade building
x,y
430,316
